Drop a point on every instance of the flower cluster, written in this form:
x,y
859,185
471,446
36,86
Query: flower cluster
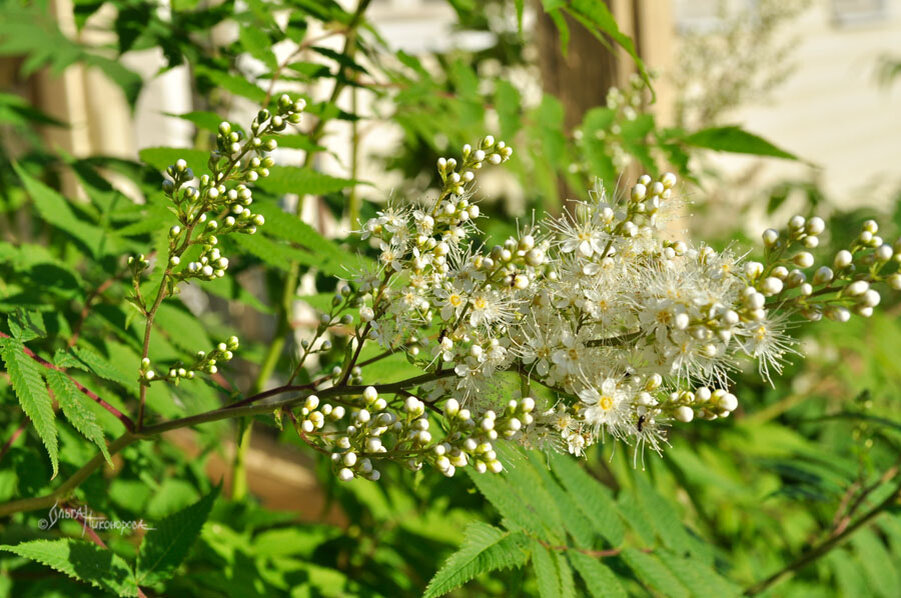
x,y
203,362
209,206
621,331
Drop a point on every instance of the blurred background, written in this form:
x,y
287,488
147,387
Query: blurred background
x,y
818,83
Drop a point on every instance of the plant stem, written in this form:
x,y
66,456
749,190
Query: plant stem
x,y
239,473
246,409
126,421
824,547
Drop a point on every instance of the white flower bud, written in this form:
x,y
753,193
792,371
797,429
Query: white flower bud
x,y
856,288
345,474
843,259
770,237
803,259
727,402
771,286
871,298
370,394
837,314
753,269
452,407
684,414
815,226
823,275
883,253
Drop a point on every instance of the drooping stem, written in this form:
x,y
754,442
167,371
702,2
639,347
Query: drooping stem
x,y
250,408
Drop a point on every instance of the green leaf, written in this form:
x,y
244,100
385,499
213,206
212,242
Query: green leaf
x,y
335,260
600,581
258,45
54,208
27,325
163,549
485,548
73,404
591,497
545,571
236,85
735,140
208,121
25,375
302,181
280,255
700,579
877,563
662,516
182,328
81,560
506,499
91,361
161,158
651,571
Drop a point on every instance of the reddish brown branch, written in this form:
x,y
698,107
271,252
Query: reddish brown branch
x,y
126,421
12,439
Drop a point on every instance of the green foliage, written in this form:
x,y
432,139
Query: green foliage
x,y
83,561
163,550
720,512
658,552
485,548
31,390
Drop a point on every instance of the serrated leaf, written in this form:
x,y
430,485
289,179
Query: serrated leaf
x,y
700,579
25,375
565,575
334,259
54,208
485,548
545,571
877,563
27,325
72,402
652,572
600,581
735,140
505,498
205,120
302,181
164,548
182,328
591,497
81,560
91,361
598,19
661,514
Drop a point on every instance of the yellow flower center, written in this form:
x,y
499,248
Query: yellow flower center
x,y
455,300
480,303
606,403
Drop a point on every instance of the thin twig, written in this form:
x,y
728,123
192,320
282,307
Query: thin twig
x,y
126,421
824,547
